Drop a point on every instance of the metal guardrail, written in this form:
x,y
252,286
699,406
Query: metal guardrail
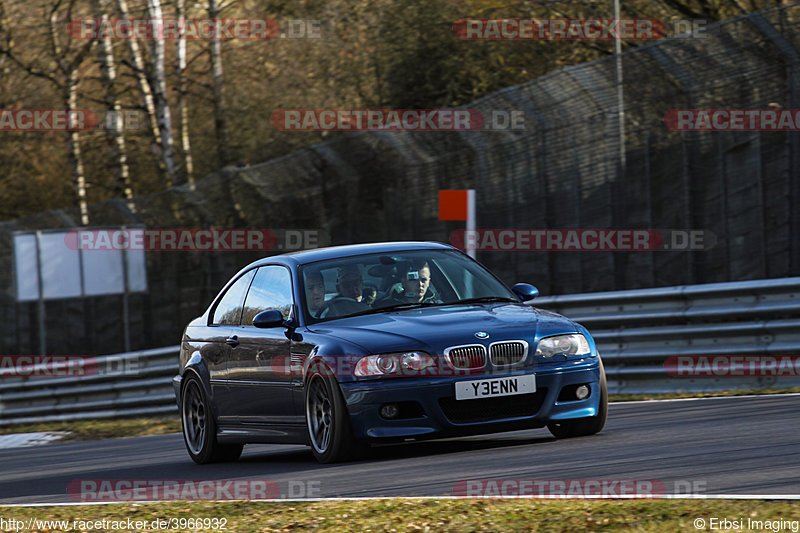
x,y
636,331
127,384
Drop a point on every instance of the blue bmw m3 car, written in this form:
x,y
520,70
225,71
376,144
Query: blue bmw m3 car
x,y
337,348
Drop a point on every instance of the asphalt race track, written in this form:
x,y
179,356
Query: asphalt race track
x,y
730,446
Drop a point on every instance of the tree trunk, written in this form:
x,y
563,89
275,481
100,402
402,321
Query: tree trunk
x,y
140,71
116,138
159,87
220,118
75,158
183,107
70,68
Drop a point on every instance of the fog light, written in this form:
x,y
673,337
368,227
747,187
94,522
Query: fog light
x,y
390,410
582,392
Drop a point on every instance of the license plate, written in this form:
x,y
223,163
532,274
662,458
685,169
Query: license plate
x,y
490,388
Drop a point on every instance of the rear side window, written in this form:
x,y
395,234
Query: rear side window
x,y
229,308
271,289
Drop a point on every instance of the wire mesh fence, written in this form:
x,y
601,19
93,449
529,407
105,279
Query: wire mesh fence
x,y
562,170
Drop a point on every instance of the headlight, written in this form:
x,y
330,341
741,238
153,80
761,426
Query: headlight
x,y
573,344
409,363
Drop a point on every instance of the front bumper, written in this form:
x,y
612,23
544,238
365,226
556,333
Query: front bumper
x,y
444,416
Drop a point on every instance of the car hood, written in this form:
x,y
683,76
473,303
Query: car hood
x,y
433,329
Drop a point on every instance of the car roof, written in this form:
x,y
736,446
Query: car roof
x,y
334,252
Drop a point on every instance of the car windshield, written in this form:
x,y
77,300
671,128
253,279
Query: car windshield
x,y
374,283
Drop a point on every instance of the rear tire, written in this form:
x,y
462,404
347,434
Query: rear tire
x,y
581,427
330,434
199,427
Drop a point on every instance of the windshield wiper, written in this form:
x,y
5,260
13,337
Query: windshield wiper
x,y
485,299
415,305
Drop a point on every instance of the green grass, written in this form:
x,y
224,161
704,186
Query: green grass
x,y
396,515
102,428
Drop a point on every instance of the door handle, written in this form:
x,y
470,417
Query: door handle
x,y
233,341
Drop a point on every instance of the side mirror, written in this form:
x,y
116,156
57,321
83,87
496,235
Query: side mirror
x,y
525,291
271,318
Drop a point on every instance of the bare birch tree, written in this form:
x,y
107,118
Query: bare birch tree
x,y
158,84
183,106
122,181
217,83
62,70
140,71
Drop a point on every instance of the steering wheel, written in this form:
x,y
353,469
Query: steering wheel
x,y
340,306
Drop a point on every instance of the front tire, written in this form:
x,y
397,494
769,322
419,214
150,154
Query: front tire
x,y
581,427
199,427
328,422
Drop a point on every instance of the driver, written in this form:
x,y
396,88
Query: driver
x,y
349,283
350,287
